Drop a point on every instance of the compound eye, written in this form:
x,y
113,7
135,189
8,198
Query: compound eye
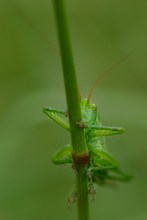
x,y
93,106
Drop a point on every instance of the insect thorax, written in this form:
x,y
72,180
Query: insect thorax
x,y
89,113
91,118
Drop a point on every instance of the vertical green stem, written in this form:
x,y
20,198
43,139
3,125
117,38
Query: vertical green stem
x,y
82,190
80,151
72,94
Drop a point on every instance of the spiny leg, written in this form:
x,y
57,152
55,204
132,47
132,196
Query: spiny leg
x,y
118,175
91,188
103,167
58,116
101,159
72,198
110,176
100,163
96,131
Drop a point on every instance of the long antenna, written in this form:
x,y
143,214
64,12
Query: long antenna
x,y
43,36
104,74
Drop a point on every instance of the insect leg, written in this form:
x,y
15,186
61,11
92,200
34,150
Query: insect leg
x,y
101,159
58,116
117,174
96,131
91,188
72,198
63,156
104,167
107,176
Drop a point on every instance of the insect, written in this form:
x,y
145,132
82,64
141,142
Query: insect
x,y
102,166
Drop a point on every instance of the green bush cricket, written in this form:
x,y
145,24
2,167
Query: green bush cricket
x,y
102,166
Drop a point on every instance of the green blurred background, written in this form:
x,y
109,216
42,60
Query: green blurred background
x,y
31,187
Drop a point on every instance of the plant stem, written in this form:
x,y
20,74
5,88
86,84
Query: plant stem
x,y
82,191
80,151
72,94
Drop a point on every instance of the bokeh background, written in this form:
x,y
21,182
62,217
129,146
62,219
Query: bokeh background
x,y
31,187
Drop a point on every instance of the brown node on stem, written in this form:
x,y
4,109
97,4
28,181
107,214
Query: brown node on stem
x,y
81,159
104,74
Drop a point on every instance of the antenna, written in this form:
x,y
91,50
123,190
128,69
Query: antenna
x,y
43,36
104,74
